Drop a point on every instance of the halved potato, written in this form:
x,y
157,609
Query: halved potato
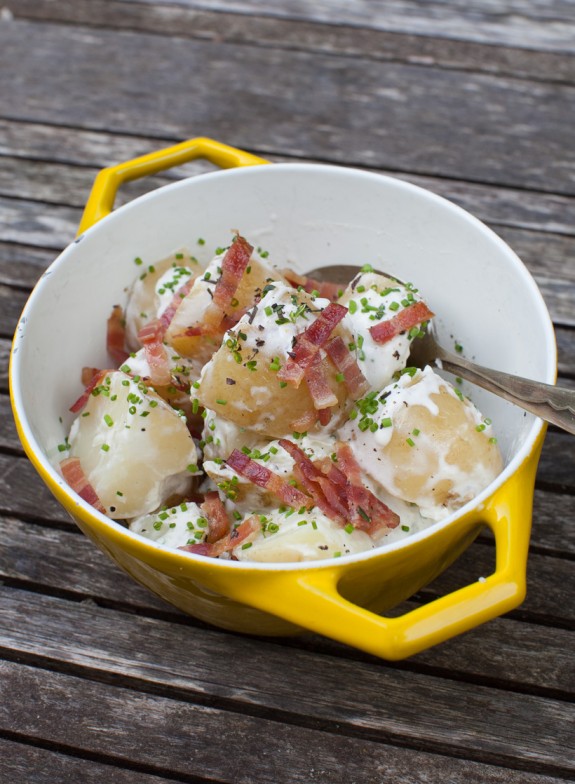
x,y
241,382
135,450
189,317
424,443
146,297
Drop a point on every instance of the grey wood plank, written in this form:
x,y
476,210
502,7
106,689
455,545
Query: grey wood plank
x,y
66,178
537,117
533,24
21,763
85,714
504,653
22,265
317,34
23,492
4,360
176,738
60,560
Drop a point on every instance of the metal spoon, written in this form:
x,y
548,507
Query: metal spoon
x,y
551,403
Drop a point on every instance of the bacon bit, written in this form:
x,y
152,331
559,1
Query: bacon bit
x,y
168,315
88,374
324,288
201,331
338,492
97,379
407,318
215,511
234,264
73,473
309,342
305,422
263,477
318,385
234,538
151,336
367,512
324,416
313,481
356,383
116,336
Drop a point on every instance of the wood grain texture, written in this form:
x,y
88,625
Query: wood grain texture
x,y
21,763
300,32
375,102
177,738
530,24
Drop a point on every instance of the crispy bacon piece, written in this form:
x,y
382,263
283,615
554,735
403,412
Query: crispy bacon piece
x,y
88,374
356,383
318,384
305,422
407,318
235,537
338,490
97,379
218,521
326,496
151,336
169,313
324,288
116,335
234,265
262,477
367,512
73,473
308,343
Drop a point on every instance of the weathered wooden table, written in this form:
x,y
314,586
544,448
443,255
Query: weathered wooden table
x,y
100,681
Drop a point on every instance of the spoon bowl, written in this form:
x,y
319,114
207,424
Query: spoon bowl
x,y
551,403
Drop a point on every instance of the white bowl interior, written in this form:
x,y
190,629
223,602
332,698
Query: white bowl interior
x,y
307,216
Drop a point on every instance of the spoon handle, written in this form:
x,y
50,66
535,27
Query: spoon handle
x,y
551,403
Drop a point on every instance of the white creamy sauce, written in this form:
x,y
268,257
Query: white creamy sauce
x,y
277,319
168,284
289,537
371,298
176,526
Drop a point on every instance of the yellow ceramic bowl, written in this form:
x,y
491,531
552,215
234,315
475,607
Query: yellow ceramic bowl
x,y
311,215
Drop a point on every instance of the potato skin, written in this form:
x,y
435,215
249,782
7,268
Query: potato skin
x,y
255,399
433,449
190,314
241,381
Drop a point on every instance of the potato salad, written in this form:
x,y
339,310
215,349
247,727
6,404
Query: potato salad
x,y
254,414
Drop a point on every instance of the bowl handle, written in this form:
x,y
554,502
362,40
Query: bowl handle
x,y
313,601
102,196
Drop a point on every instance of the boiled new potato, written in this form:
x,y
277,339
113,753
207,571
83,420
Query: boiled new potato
x,y
241,382
424,443
190,317
153,290
134,449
